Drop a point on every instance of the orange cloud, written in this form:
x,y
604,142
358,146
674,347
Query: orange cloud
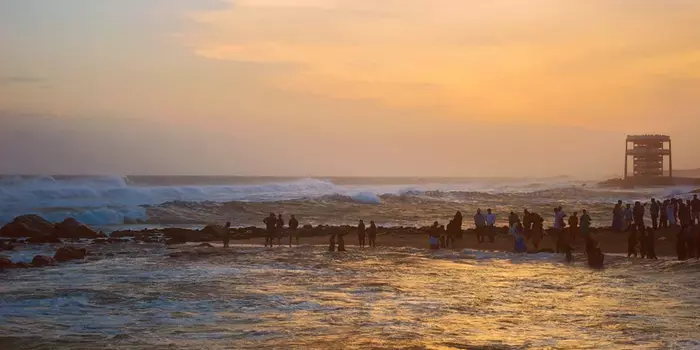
x,y
538,60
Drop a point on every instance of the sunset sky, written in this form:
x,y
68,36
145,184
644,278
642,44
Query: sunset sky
x,y
345,87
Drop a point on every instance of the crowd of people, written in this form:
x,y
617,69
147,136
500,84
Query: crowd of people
x,y
530,228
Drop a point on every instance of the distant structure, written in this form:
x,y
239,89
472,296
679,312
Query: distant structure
x,y
648,152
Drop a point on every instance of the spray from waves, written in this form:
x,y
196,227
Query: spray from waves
x,y
115,200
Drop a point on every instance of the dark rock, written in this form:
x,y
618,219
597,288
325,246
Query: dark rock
x,y
22,265
6,246
100,241
6,263
43,239
69,253
71,228
27,226
180,235
205,245
41,260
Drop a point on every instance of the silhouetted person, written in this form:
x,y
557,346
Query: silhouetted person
x,y
372,233
595,255
293,226
663,214
444,240
512,219
650,244
672,212
695,209
280,229
629,217
638,214
527,223
573,226
585,222
654,210
361,233
491,224
226,234
480,223
560,226
684,217
270,228
537,229
618,217
458,220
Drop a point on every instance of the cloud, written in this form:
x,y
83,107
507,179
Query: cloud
x,y
536,61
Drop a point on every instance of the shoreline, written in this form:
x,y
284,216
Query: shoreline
x,y
32,230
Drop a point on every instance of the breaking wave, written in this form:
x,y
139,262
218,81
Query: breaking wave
x,y
116,200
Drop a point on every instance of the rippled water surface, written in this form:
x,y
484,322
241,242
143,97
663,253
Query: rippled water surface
x,y
305,297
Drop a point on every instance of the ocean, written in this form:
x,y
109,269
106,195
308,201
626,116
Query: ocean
x,y
154,296
112,202
138,297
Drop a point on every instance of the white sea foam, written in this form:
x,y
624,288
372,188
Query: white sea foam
x,y
114,200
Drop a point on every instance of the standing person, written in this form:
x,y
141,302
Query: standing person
x,y
457,220
361,233
670,212
629,216
695,207
618,217
663,214
527,223
674,205
480,223
585,223
491,222
638,214
293,225
537,229
573,226
226,233
518,238
654,211
372,233
280,229
512,219
270,228
560,226
686,227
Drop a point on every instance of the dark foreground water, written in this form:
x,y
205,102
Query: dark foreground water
x,y
305,297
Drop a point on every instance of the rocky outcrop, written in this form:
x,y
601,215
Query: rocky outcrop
x,y
6,263
69,253
42,260
27,226
71,228
6,246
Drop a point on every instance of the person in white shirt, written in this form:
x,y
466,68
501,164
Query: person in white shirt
x,y
491,223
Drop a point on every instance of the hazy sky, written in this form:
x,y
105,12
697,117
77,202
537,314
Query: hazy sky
x,y
344,87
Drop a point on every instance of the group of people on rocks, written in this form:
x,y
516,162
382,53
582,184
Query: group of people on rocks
x,y
669,213
625,218
274,227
